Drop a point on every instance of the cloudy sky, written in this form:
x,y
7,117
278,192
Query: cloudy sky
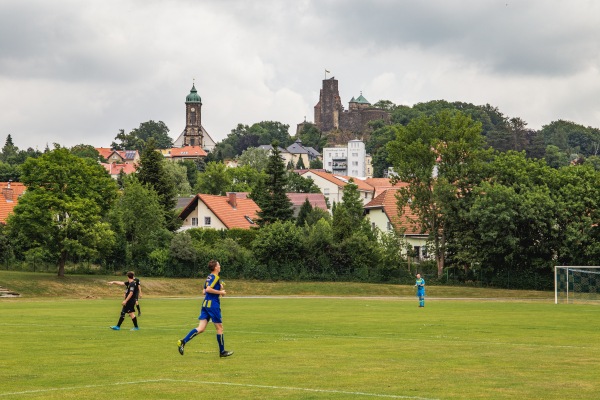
x,y
75,71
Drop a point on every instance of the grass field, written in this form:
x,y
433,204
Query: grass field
x,y
303,347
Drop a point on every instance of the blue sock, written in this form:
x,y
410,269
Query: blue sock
x,y
190,335
221,342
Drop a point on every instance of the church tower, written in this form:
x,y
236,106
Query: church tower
x,y
193,134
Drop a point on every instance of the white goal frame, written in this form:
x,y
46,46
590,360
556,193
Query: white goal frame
x,y
567,268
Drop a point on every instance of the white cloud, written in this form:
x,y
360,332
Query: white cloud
x,y
76,72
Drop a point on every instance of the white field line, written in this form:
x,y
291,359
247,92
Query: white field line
x,y
389,396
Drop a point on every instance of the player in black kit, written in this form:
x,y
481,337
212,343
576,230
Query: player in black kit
x,y
131,294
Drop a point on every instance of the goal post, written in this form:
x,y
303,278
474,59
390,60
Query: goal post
x,y
576,283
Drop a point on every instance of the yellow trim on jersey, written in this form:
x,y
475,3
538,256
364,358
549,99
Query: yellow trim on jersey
x,y
215,281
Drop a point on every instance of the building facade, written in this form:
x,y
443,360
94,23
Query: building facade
x,y
351,160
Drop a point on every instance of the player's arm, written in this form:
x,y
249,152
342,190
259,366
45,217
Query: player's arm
x,y
116,283
139,290
129,296
210,289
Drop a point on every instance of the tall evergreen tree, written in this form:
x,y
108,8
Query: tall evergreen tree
x,y
303,213
277,206
151,172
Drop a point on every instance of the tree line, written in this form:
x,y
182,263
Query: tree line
x,y
494,214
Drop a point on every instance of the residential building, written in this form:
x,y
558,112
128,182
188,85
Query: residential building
x,y
184,153
285,155
119,156
115,169
297,151
350,160
219,212
316,200
382,213
10,192
332,186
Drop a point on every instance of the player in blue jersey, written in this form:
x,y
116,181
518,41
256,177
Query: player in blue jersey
x,y
420,284
211,310
131,294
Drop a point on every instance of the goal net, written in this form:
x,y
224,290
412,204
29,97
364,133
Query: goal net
x,y
573,284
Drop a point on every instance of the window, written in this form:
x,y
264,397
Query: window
x,y
389,226
326,191
366,195
194,221
355,163
354,154
206,220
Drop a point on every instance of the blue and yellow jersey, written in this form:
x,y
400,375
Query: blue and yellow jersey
x,y
212,299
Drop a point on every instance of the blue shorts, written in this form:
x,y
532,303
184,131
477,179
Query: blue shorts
x,y
212,313
420,293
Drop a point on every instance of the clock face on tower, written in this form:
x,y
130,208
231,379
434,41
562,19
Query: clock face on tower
x,y
192,109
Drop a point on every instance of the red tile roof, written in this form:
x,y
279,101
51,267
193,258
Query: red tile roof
x,y
115,169
389,203
315,199
221,207
104,151
9,198
188,151
340,180
381,184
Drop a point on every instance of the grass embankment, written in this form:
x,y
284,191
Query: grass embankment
x,y
46,285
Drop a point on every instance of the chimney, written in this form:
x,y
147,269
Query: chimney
x,y
232,199
7,192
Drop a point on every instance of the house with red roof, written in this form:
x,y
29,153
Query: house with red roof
x,y
219,212
332,186
316,200
115,169
184,153
119,156
382,212
10,192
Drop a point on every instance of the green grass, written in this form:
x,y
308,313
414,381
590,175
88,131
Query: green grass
x,y
298,347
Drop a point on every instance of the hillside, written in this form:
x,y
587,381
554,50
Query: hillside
x,y
31,285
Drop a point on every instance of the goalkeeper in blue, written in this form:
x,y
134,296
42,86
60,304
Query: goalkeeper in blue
x,y
420,285
211,310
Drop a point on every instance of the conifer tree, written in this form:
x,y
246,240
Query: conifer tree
x,y
303,213
151,172
276,205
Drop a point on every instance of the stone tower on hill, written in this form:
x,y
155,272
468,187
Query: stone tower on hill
x,y
330,114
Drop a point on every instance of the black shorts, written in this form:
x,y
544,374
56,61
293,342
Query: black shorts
x,y
129,307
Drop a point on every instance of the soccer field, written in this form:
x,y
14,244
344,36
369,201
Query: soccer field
x,y
302,348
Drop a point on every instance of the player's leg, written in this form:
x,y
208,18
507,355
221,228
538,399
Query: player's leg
x,y
121,319
192,334
137,305
134,320
220,337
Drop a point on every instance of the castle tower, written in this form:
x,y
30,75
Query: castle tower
x,y
193,134
329,107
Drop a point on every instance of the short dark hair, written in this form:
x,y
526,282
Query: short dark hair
x,y
212,264
130,274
